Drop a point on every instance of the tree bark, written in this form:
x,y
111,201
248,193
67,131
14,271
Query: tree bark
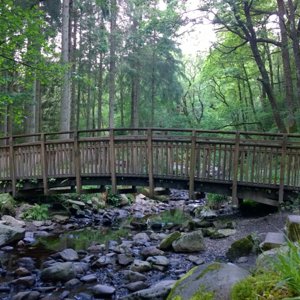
x,y
295,42
287,71
252,38
65,110
112,62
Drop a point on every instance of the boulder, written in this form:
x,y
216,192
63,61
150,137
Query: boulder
x,y
273,240
241,247
29,295
69,255
151,251
61,219
11,221
266,259
158,291
89,278
211,280
137,286
10,234
158,260
141,238
293,228
208,214
166,243
140,266
222,233
58,272
124,200
101,290
134,276
189,242
125,259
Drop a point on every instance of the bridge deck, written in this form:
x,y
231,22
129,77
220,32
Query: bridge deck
x,y
195,159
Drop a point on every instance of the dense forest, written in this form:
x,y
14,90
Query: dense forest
x,y
68,65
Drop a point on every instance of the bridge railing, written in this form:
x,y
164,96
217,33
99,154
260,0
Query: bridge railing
x,y
248,158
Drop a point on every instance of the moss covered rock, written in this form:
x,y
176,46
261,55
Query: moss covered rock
x,y
189,242
293,228
166,243
242,247
266,260
208,282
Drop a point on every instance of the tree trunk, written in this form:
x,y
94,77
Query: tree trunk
x,y
73,30
251,36
100,93
295,42
288,81
112,62
65,110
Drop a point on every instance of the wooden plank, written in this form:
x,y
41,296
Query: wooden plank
x,y
12,166
150,162
282,168
77,163
192,166
44,164
112,162
235,200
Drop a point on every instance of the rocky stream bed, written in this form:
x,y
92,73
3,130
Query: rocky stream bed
x,y
115,252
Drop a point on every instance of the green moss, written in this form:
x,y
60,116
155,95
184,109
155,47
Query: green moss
x,y
7,205
188,274
263,286
166,243
210,268
201,294
240,248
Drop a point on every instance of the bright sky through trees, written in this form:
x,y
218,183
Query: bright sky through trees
x,y
196,38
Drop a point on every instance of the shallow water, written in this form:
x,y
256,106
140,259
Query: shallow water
x,y
80,239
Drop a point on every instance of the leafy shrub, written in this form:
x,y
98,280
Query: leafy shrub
x,y
288,267
215,200
7,205
262,286
37,212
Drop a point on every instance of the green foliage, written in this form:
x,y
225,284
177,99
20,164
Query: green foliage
x,y
215,200
174,216
7,205
262,286
113,199
38,212
288,267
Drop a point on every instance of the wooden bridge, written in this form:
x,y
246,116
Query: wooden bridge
x,y
261,166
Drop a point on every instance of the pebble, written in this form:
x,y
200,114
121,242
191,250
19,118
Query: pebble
x,y
103,290
89,278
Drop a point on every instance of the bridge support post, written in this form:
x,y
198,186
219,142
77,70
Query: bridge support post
x,y
12,166
236,169
44,164
192,166
282,169
150,162
112,162
77,162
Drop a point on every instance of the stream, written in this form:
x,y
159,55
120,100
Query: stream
x,y
100,254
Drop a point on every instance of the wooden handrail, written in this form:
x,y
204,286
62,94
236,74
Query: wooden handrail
x,y
183,154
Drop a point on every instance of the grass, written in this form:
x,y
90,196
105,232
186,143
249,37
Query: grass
x,y
288,267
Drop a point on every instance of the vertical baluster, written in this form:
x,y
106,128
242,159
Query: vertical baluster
x,y
112,162
235,168
12,166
